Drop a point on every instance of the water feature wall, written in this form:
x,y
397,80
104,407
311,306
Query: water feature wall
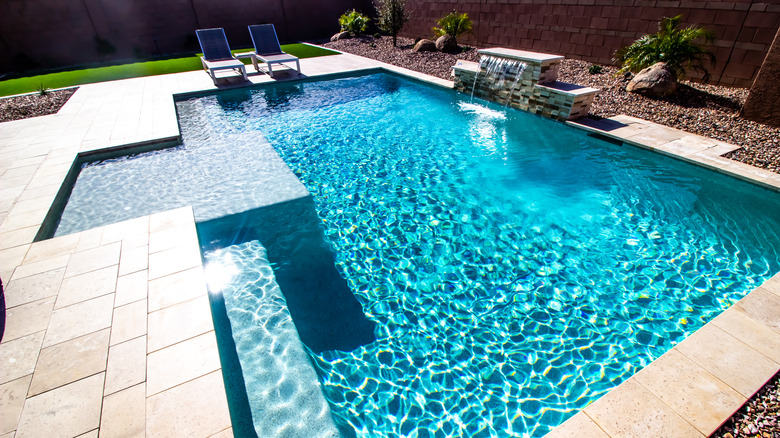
x,y
523,80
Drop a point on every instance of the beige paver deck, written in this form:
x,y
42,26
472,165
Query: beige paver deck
x,y
108,330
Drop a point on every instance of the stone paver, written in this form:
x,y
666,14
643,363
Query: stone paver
x,y
93,259
179,322
33,288
732,361
763,306
18,357
124,413
28,269
28,318
87,286
155,266
694,394
129,322
126,365
77,410
70,361
132,287
79,319
631,411
181,362
134,260
739,324
173,260
12,396
207,412
176,288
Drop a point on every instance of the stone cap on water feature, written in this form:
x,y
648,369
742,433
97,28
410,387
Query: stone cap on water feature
x,y
570,89
522,55
466,65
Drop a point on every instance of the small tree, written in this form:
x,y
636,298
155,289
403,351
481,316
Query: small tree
x,y
674,46
453,24
391,16
353,22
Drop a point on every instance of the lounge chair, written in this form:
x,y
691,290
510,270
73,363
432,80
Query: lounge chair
x,y
216,53
267,48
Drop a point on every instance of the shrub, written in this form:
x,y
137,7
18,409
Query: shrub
x,y
594,69
353,22
453,24
391,16
672,45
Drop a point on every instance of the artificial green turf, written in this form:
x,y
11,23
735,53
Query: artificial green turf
x,y
151,68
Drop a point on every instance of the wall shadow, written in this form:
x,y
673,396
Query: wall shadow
x,y
325,312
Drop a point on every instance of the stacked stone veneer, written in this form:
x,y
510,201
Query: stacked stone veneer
x,y
537,90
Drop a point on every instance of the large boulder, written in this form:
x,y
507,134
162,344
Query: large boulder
x,y
424,46
654,81
447,44
340,36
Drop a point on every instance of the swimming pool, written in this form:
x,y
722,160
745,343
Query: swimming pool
x,y
479,271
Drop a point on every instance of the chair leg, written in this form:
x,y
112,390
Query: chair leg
x,y
254,62
298,64
243,73
270,69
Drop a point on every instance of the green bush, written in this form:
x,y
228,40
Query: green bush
x,y
391,16
353,22
672,45
594,69
453,24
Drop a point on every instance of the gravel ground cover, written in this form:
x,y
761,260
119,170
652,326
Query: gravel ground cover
x,y
33,105
703,109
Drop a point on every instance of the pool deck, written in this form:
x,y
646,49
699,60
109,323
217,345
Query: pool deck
x,y
109,331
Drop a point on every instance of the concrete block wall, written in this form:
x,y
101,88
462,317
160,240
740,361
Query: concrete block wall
x,y
592,30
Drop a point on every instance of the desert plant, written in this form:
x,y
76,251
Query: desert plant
x,y
594,69
672,45
43,90
453,24
391,16
353,22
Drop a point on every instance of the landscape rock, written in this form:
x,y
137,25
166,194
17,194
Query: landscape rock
x,y
654,81
447,44
424,46
340,36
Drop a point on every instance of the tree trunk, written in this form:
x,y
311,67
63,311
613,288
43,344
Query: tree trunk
x,y
763,102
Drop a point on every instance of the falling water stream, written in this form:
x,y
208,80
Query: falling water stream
x,y
520,70
499,69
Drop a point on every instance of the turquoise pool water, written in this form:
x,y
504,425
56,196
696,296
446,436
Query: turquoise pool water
x,y
459,269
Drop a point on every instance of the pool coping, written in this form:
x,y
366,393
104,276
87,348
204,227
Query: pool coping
x,y
679,407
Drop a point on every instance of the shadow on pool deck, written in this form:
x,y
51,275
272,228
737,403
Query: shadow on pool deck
x,y
325,312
